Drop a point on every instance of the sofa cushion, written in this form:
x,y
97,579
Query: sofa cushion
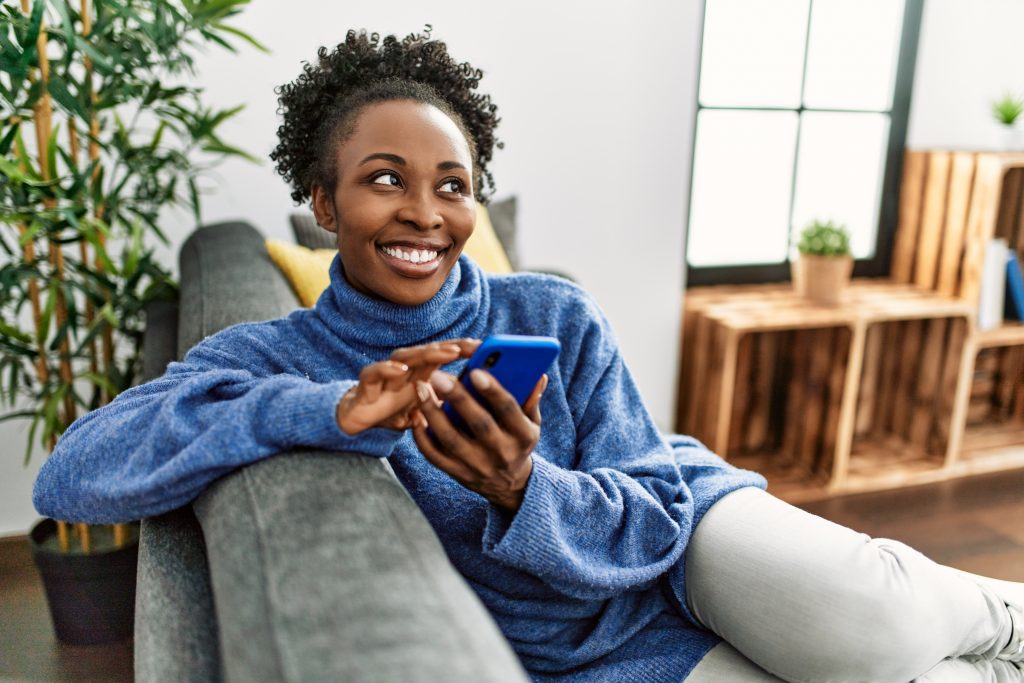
x,y
306,269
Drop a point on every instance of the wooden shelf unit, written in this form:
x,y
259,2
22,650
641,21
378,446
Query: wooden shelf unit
x,y
881,391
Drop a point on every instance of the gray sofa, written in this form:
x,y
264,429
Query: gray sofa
x,y
306,566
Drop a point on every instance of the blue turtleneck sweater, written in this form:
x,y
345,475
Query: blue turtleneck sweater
x,y
586,579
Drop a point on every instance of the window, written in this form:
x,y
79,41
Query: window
x,y
802,115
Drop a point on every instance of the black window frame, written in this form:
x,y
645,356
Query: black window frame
x,y
878,265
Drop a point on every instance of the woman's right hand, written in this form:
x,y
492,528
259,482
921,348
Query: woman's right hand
x,y
386,393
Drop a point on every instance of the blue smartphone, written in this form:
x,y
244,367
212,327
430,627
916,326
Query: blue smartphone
x,y
517,362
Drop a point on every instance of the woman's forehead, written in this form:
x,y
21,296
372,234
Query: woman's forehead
x,y
405,128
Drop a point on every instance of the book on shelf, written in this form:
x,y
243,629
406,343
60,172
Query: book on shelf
x,y
993,285
1014,306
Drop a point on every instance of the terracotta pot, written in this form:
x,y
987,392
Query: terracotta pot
x,y
821,279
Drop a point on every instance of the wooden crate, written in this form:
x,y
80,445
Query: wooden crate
x,y
875,392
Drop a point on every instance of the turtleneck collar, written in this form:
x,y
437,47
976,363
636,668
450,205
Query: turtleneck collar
x,y
459,309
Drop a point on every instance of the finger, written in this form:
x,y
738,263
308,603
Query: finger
x,y
436,457
504,406
447,437
427,353
532,405
480,422
373,378
467,346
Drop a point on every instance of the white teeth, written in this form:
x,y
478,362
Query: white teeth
x,y
413,255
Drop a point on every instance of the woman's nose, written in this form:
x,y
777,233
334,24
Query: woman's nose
x,y
421,211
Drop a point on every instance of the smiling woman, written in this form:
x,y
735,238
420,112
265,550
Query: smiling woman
x,y
604,550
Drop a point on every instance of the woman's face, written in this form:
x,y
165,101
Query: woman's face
x,y
403,206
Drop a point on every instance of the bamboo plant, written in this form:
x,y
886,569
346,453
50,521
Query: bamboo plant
x,y
101,129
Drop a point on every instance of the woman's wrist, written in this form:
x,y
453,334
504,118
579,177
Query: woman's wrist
x,y
342,414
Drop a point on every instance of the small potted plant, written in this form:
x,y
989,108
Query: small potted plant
x,y
1006,111
823,270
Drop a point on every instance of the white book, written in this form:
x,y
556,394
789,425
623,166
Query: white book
x,y
993,285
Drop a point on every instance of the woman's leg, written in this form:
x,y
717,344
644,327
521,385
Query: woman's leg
x,y
809,600
724,663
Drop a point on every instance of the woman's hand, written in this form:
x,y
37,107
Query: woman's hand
x,y
386,393
495,461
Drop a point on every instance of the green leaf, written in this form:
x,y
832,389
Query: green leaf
x,y
8,139
218,147
69,27
100,381
51,152
100,61
243,35
47,314
16,415
59,89
14,332
31,438
35,24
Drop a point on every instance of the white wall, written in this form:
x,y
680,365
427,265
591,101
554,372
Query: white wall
x,y
969,55
597,102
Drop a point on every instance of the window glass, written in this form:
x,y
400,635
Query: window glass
x,y
742,178
753,53
839,173
851,54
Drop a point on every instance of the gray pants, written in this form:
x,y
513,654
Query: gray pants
x,y
809,600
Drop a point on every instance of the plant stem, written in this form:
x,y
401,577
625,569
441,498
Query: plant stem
x,y
90,312
94,154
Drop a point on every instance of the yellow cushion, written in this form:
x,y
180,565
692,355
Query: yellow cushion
x,y
308,273
306,269
484,247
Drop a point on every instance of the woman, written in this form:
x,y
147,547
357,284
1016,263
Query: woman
x,y
604,551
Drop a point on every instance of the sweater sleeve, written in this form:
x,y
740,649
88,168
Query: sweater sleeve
x,y
621,516
158,445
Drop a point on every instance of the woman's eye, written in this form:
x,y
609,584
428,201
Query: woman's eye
x,y
452,185
389,179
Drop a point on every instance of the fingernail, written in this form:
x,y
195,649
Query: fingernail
x,y
441,382
421,421
423,391
403,367
454,348
480,379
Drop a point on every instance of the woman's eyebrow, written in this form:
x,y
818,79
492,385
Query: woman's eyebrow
x,y
393,158
449,165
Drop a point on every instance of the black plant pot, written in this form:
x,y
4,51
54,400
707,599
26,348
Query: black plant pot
x,y
91,597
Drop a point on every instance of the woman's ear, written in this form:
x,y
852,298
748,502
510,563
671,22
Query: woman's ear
x,y
323,208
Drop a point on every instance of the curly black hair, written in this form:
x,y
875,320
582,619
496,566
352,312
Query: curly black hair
x,y
320,108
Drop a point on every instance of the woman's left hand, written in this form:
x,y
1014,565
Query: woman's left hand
x,y
495,460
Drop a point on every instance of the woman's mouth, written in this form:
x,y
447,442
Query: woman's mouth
x,y
412,262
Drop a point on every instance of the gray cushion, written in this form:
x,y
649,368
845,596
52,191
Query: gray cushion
x,y
503,218
309,234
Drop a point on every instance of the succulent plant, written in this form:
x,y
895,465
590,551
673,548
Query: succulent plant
x,y
1008,109
824,238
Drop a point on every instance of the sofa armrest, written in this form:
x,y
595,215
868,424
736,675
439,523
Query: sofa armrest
x,y
323,568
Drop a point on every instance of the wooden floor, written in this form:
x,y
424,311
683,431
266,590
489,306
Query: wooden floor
x,y
974,524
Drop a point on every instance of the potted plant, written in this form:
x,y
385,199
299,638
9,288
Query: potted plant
x,y
100,130
823,270
1006,111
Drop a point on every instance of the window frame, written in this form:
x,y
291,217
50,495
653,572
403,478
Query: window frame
x,y
878,265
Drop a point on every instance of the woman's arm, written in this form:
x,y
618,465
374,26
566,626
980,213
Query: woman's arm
x,y
158,445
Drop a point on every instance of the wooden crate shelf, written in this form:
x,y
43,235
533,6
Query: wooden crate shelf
x,y
894,386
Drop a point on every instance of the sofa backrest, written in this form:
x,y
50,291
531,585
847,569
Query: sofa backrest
x,y
227,278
